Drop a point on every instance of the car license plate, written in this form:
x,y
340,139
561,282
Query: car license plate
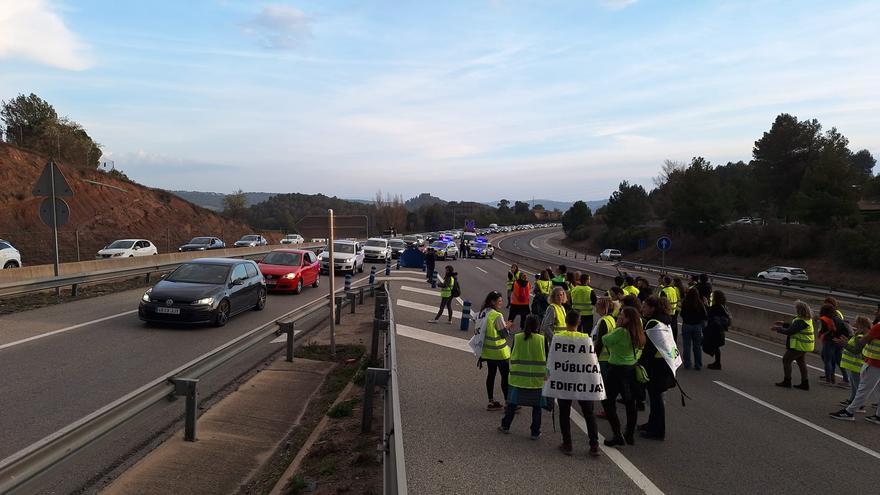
x,y
168,311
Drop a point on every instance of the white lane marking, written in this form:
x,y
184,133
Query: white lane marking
x,y
618,458
426,308
801,420
420,291
478,268
106,318
403,279
283,337
614,455
433,337
770,353
66,329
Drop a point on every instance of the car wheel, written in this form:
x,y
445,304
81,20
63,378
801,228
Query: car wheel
x,y
761,277
10,264
131,256
221,314
317,281
261,298
299,287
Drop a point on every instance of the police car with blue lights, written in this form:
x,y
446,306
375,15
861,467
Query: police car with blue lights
x,y
445,248
481,248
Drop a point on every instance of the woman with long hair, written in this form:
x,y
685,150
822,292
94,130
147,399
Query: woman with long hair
x,y
716,328
446,294
693,319
512,276
496,352
655,311
624,344
801,340
554,318
528,367
519,300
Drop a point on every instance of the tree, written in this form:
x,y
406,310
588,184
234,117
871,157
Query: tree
x,y
390,211
433,217
627,207
577,216
235,205
25,118
697,203
521,209
827,195
863,162
669,167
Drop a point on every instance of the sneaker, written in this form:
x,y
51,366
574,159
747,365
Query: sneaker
x,y
827,383
845,402
494,406
784,384
630,439
535,437
873,419
449,322
803,386
843,414
432,321
504,430
565,448
594,450
611,442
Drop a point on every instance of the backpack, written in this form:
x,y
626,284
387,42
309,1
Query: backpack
x,y
456,289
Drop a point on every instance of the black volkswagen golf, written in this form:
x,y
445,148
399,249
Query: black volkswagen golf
x,y
207,290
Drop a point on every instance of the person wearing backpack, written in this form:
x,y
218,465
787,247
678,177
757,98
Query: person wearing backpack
x,y
716,328
447,294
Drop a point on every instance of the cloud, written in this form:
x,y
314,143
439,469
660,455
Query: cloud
x,y
32,30
280,27
616,4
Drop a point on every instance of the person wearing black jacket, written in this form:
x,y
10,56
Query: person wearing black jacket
x,y
693,319
430,262
804,315
660,378
705,288
716,328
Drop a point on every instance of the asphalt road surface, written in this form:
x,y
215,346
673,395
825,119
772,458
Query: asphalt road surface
x,y
63,362
738,434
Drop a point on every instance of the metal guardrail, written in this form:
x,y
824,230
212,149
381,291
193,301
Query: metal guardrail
x,y
15,288
33,461
743,282
393,464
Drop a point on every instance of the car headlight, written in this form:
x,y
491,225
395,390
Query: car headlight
x,y
204,302
202,249
115,255
290,276
146,296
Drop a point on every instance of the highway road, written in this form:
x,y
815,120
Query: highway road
x,y
540,244
738,434
63,362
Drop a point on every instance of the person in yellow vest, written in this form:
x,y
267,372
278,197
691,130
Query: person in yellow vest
x,y
624,344
572,321
606,323
496,352
670,293
559,279
615,295
629,287
869,379
541,292
852,361
528,368
801,340
583,298
554,318
446,294
512,276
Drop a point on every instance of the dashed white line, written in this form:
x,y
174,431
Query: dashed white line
x,y
426,308
478,268
800,420
66,329
769,353
420,291
433,337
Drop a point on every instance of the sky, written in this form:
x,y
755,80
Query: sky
x,y
467,100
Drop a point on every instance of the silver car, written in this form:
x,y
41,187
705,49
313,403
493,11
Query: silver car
x,y
784,274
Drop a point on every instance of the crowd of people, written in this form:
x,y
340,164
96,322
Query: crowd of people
x,y
637,370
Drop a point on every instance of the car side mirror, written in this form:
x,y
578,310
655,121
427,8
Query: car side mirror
x,y
238,281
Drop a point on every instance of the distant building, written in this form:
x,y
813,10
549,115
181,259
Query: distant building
x,y
547,216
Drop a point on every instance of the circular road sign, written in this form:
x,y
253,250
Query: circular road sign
x,y
664,243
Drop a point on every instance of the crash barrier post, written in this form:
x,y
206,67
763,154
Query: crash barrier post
x,y
434,279
187,387
372,275
347,282
387,267
465,315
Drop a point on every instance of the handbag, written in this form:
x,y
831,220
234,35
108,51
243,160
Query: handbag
x,y
641,372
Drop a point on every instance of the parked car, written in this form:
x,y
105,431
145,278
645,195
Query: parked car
x,y
414,240
207,290
610,255
251,240
202,244
469,238
376,249
784,274
290,270
292,239
127,248
397,246
445,250
348,256
9,256
481,248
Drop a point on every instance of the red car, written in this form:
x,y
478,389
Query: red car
x,y
290,270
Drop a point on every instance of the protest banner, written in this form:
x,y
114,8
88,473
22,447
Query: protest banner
x,y
662,338
573,368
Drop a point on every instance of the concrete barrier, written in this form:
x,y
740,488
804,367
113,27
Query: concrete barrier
x,y
43,272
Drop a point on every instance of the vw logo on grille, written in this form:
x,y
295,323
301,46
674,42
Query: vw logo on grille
x,y
169,302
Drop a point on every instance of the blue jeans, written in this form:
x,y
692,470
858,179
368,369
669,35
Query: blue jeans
x,y
854,381
510,413
831,355
692,338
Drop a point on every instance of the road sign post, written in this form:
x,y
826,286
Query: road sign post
x,y
332,269
54,211
664,243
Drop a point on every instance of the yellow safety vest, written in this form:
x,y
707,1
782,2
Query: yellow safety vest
x,y
447,291
631,289
851,360
840,314
560,318
528,362
872,350
510,282
671,294
609,326
805,340
494,345
615,310
543,287
581,299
